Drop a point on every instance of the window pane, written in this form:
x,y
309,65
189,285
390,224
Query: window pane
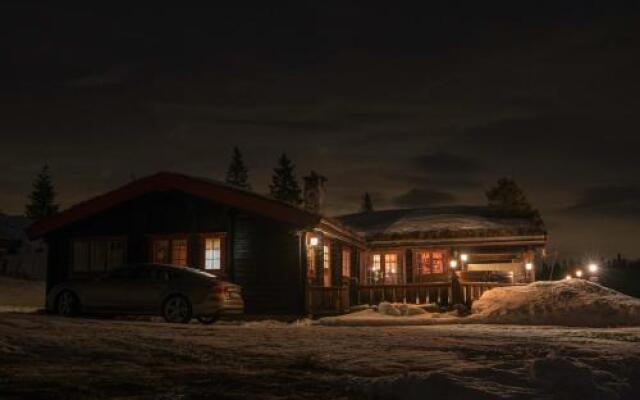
x,y
99,256
179,252
346,263
212,253
391,268
437,262
311,263
80,256
161,251
115,256
325,257
373,272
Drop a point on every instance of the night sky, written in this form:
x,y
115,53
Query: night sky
x,y
419,106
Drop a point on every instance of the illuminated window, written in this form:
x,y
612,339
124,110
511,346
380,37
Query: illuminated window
x,y
346,262
373,271
311,263
326,264
429,262
212,254
325,257
391,269
170,251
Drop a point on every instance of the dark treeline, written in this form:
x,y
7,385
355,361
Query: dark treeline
x,y
617,273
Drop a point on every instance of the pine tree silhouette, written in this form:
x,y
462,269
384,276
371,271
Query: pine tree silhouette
x,y
42,198
508,200
237,173
284,185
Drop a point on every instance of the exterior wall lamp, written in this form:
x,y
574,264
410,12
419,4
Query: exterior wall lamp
x,y
314,241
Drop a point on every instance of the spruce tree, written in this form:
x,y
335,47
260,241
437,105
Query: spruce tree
x,y
42,198
284,185
508,200
237,173
367,204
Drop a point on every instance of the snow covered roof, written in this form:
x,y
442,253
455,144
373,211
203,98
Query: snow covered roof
x,y
440,222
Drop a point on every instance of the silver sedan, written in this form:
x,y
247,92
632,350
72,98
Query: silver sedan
x,y
176,293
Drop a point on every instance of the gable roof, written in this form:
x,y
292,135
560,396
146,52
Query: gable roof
x,y
440,223
163,181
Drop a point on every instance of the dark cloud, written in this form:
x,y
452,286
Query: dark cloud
x,y
422,198
609,201
447,164
440,99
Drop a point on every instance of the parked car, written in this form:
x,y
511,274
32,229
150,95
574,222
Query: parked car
x,y
176,293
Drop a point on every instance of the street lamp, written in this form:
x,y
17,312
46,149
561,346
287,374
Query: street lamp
x,y
464,257
453,264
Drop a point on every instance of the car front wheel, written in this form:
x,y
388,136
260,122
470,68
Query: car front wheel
x,y
67,304
177,309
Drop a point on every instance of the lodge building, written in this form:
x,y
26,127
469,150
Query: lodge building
x,y
289,259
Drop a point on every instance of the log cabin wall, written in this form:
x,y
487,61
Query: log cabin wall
x,y
260,254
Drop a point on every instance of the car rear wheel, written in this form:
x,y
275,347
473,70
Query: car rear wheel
x,y
208,319
67,304
177,309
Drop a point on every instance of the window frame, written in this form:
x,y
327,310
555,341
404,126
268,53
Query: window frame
x,y
417,272
222,236
170,238
91,242
346,256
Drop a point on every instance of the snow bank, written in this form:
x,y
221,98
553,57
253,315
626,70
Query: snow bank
x,y
574,302
390,318
18,295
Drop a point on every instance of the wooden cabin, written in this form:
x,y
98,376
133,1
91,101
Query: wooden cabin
x,y
288,259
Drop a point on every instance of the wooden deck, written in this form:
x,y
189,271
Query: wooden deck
x,y
336,299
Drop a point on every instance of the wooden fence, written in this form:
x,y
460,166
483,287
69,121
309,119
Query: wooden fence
x,y
328,300
336,299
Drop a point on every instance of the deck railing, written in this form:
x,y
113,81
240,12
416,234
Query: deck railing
x,y
336,299
328,300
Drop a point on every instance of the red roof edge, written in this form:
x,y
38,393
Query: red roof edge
x,y
162,181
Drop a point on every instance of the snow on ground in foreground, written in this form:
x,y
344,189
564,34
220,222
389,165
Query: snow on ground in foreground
x,y
574,302
19,295
48,357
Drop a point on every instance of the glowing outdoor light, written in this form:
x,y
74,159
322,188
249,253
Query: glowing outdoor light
x,y
593,268
568,277
529,266
579,273
464,257
453,263
313,241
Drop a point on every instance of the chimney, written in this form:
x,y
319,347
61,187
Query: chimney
x,y
314,192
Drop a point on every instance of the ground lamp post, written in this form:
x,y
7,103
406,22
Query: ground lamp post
x,y
593,270
579,273
528,267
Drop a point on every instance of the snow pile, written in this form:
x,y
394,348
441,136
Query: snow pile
x,y
392,315
19,295
574,302
397,310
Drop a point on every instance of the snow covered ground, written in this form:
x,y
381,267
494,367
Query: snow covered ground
x,y
20,294
574,302
49,357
